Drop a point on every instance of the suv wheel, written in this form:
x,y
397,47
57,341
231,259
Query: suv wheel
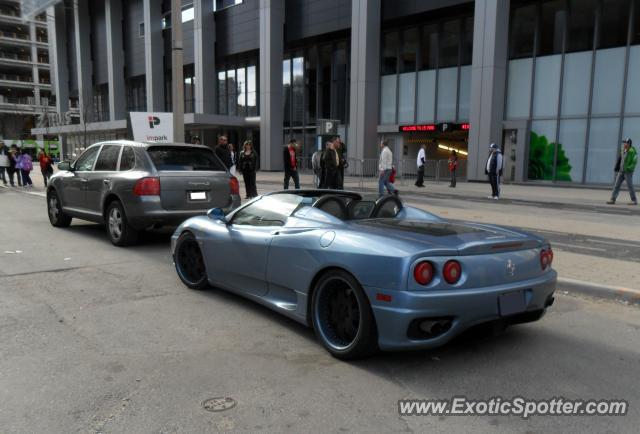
x,y
57,217
118,228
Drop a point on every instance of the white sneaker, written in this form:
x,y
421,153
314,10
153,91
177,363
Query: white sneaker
x,y
490,197
496,197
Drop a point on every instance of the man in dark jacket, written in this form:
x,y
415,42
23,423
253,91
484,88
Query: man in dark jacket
x,y
340,149
494,170
331,167
290,164
223,152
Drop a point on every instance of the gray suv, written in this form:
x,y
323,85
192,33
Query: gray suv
x,y
131,186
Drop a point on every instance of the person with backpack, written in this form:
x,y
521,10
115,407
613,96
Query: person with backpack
x,y
625,166
248,165
24,164
46,166
494,170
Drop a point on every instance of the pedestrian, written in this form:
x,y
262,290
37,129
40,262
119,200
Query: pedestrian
x,y
331,165
341,150
4,163
453,166
248,165
223,152
13,170
234,160
316,165
494,170
195,140
290,164
46,166
420,162
625,166
385,166
25,164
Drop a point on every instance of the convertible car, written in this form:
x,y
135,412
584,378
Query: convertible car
x,y
367,273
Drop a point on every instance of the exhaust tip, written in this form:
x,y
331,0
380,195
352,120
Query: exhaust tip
x,y
429,328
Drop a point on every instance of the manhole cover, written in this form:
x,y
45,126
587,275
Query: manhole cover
x,y
219,404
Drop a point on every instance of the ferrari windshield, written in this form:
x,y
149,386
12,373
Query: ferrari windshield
x,y
269,210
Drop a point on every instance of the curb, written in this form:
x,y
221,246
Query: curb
x,y
616,293
20,190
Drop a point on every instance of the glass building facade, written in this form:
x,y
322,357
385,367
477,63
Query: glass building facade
x,y
574,76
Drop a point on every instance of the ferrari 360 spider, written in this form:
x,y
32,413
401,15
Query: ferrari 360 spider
x,y
367,273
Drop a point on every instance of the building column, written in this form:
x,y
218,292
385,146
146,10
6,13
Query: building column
x,y
204,56
58,64
82,25
271,54
488,77
115,59
34,61
365,79
153,52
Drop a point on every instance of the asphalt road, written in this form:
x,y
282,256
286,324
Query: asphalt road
x,y
95,338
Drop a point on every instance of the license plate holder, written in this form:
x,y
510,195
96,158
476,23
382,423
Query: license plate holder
x,y
511,303
197,195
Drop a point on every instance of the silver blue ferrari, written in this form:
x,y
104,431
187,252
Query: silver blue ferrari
x,y
367,273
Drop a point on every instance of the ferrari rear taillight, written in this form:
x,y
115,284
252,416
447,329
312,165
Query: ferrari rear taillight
x,y
451,272
546,258
423,273
147,187
234,185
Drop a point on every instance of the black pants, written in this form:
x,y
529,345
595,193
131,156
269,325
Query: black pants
x,y
249,177
494,179
420,181
296,179
331,179
340,179
46,174
2,170
13,172
453,178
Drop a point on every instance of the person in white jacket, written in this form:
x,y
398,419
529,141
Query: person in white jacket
x,y
385,165
4,162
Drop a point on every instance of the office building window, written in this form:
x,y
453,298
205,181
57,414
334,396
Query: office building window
x,y
223,4
390,42
136,94
429,47
552,25
612,31
409,50
581,23
523,31
449,44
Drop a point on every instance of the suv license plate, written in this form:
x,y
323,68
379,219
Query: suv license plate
x,y
198,195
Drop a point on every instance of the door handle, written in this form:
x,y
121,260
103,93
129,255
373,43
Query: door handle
x,y
275,233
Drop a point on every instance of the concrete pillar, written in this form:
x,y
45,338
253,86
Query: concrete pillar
x,y
115,59
204,56
58,61
488,78
34,60
82,24
271,54
365,78
153,52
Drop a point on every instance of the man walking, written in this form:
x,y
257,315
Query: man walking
x,y
223,152
4,163
290,165
331,166
385,165
420,162
494,170
625,165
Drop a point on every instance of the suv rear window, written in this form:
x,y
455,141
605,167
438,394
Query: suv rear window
x,y
183,158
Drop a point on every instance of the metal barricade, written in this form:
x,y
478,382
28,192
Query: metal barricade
x,y
407,171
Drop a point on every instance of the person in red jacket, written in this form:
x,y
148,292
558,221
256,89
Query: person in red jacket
x,y
45,166
453,166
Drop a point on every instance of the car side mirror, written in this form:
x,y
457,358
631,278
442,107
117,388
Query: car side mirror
x,y
64,165
217,214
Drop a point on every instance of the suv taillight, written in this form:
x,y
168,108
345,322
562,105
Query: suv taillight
x,y
451,272
147,187
234,185
423,273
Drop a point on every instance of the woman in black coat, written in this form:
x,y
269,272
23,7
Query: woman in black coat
x,y
248,165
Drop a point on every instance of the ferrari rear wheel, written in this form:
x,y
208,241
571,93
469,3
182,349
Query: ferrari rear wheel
x,y
342,316
190,262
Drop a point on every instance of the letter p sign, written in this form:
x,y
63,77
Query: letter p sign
x,y
153,121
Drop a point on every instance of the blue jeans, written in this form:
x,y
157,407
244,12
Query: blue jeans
x,y
383,182
616,189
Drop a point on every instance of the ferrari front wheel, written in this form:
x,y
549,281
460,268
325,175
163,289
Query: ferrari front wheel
x,y
190,262
341,316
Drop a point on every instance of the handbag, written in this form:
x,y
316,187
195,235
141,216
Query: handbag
x,y
392,177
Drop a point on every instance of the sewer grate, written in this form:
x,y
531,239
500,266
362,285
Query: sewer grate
x,y
219,404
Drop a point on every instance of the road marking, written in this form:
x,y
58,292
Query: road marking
x,y
32,193
614,243
596,249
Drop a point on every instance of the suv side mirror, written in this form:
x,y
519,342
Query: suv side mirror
x,y
64,165
217,214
